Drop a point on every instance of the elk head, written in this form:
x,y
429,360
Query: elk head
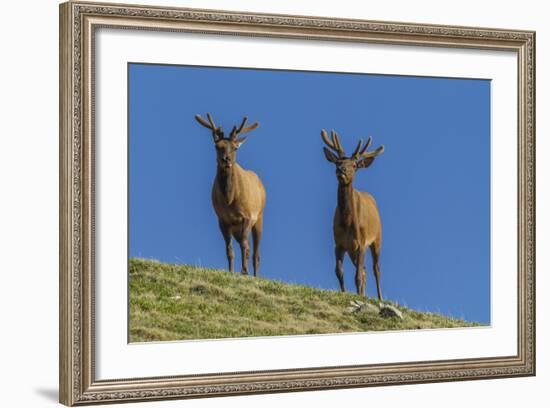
x,y
347,166
226,147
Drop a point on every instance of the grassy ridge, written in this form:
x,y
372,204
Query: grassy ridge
x,y
178,302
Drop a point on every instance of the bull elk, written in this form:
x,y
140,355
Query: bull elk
x,y
356,223
238,195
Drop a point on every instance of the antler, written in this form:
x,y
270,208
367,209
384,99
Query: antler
x,y
216,131
361,151
335,144
236,131
209,125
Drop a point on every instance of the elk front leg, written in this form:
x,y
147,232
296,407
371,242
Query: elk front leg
x,y
242,238
339,254
226,232
360,275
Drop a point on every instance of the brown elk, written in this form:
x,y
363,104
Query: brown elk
x,y
238,195
356,223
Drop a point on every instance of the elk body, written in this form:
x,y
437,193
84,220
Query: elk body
x,y
238,195
356,224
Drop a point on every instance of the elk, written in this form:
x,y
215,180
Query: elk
x,y
356,223
238,195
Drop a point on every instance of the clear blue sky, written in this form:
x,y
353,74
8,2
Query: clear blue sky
x,y
432,183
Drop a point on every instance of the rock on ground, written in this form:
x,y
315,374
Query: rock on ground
x,y
369,308
357,306
390,311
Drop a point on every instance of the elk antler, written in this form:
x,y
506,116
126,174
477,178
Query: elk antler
x,y
334,144
236,131
217,132
361,151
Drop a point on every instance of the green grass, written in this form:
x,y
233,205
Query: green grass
x,y
179,302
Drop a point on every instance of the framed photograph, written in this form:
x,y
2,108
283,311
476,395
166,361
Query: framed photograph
x,y
255,203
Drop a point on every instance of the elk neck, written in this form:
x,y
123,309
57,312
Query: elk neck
x,y
226,182
345,202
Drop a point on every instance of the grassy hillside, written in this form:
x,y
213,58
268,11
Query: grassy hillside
x,y
178,302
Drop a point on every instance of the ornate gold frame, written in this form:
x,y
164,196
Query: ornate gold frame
x,y
78,21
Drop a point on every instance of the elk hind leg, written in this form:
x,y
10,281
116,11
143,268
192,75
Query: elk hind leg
x,y
257,230
375,251
226,232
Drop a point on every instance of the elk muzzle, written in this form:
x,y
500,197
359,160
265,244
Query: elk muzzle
x,y
225,162
342,176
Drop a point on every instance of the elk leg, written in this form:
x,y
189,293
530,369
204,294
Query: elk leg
x,y
360,275
339,254
242,239
375,251
226,232
257,237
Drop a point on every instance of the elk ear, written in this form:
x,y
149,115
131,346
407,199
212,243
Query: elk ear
x,y
238,142
331,157
364,163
